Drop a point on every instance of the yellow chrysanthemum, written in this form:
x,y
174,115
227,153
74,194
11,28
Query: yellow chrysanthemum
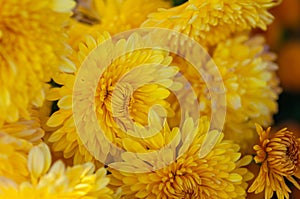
x,y
279,156
16,139
251,86
140,100
220,174
29,130
13,157
80,181
31,49
210,22
113,16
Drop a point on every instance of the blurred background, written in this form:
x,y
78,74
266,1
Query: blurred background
x,y
283,37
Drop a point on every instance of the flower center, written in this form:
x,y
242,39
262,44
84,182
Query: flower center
x,y
293,151
182,183
105,90
121,101
284,154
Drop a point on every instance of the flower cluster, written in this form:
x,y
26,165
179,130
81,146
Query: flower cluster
x,y
155,109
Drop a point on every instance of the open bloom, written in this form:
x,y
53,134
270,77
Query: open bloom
x,y
279,156
210,22
32,47
246,68
56,181
114,97
219,174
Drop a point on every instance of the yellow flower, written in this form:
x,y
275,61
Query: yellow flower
x,y
249,76
16,139
32,47
141,99
29,130
80,181
220,174
13,157
210,22
279,156
113,16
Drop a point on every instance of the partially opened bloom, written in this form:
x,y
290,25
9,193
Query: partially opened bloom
x,y
210,22
32,47
130,101
219,174
79,181
279,156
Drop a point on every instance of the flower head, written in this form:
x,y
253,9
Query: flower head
x,y
246,68
29,130
57,181
219,174
16,139
279,157
115,94
210,22
13,157
32,47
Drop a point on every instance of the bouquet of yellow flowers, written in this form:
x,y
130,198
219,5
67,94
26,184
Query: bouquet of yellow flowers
x,y
151,99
